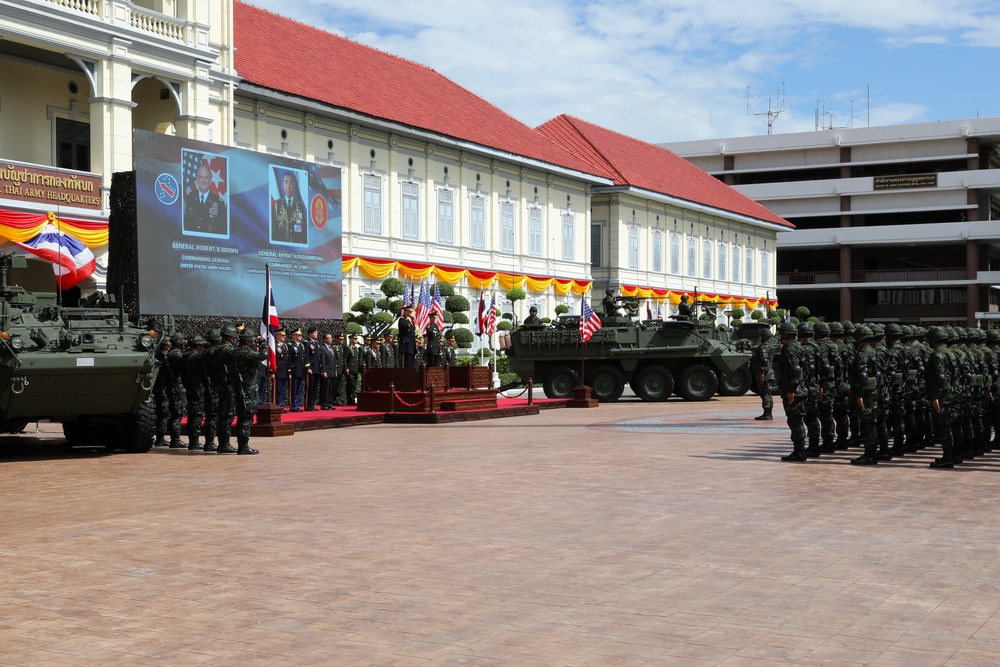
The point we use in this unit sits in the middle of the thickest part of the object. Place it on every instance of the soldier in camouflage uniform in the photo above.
(864, 385)
(915, 426)
(842, 400)
(993, 406)
(814, 373)
(961, 380)
(883, 374)
(855, 414)
(246, 368)
(830, 381)
(178, 398)
(762, 363)
(208, 362)
(194, 389)
(940, 394)
(898, 380)
(161, 394)
(790, 379)
(222, 372)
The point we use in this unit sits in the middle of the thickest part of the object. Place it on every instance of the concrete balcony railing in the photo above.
(143, 20)
(880, 276)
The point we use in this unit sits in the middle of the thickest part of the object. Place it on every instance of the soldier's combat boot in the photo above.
(765, 417)
(244, 447)
(194, 445)
(161, 441)
(947, 459)
(812, 451)
(828, 447)
(798, 453)
(225, 448)
(210, 446)
(178, 444)
(869, 458)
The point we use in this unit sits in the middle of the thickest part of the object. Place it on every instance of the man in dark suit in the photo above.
(204, 210)
(313, 379)
(407, 339)
(327, 372)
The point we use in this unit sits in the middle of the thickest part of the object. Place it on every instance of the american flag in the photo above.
(438, 305)
(659, 311)
(590, 322)
(422, 313)
(491, 316)
(190, 162)
(269, 322)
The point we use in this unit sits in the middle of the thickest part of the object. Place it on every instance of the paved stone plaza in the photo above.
(631, 534)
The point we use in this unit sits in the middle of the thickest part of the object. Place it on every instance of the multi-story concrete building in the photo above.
(894, 223)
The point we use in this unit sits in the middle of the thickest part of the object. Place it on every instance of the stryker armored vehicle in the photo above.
(83, 366)
(654, 357)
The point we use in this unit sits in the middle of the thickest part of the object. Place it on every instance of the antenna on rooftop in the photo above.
(825, 117)
(774, 108)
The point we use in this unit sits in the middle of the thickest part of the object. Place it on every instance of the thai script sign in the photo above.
(905, 181)
(52, 187)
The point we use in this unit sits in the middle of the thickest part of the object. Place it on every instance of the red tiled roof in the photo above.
(642, 165)
(291, 57)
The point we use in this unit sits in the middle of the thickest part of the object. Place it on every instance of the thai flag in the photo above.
(590, 322)
(481, 322)
(649, 310)
(438, 305)
(269, 323)
(71, 261)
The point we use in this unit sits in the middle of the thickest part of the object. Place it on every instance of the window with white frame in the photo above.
(373, 204)
(723, 259)
(735, 277)
(657, 251)
(706, 260)
(748, 255)
(692, 261)
(567, 236)
(765, 264)
(507, 226)
(633, 246)
(675, 252)
(410, 210)
(446, 216)
(477, 222)
(535, 231)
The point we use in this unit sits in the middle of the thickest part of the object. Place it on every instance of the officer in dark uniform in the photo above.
(288, 215)
(281, 370)
(449, 356)
(407, 339)
(297, 369)
(432, 342)
(390, 351)
(352, 369)
(372, 356)
(762, 363)
(313, 379)
(204, 210)
(246, 363)
(343, 355)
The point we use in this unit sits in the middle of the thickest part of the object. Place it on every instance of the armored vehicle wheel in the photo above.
(607, 383)
(653, 383)
(697, 382)
(136, 436)
(736, 383)
(560, 382)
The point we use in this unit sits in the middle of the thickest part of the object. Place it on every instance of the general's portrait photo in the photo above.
(289, 213)
(206, 194)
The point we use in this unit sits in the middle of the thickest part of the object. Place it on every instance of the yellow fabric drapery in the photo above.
(380, 269)
(19, 226)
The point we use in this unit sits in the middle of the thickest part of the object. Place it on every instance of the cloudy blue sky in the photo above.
(673, 70)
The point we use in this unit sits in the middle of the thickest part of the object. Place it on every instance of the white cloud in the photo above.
(660, 69)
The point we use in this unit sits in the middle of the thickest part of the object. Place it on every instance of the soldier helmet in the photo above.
(247, 334)
(609, 291)
(822, 329)
(229, 331)
(178, 339)
(936, 334)
(893, 330)
(786, 328)
(993, 335)
(533, 309)
(684, 298)
(863, 333)
(197, 340)
(848, 326)
(836, 329)
(214, 335)
(765, 332)
(805, 329)
(878, 331)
